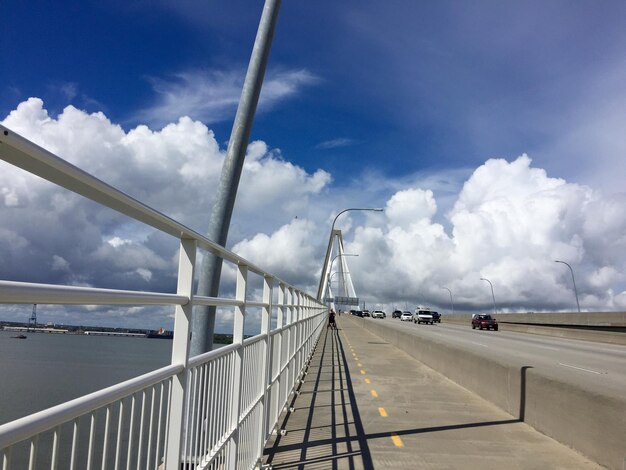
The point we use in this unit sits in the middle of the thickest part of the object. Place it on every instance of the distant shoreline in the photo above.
(17, 327)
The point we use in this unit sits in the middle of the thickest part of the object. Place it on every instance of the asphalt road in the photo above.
(597, 367)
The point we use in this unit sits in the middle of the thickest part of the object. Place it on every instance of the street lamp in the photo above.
(492, 294)
(331, 266)
(330, 280)
(451, 303)
(352, 209)
(573, 281)
(337, 256)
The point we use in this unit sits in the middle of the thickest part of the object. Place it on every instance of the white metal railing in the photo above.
(215, 410)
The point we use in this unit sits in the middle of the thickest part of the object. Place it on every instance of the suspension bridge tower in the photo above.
(336, 288)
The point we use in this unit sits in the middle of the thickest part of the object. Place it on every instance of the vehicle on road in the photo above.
(406, 316)
(422, 316)
(378, 314)
(366, 313)
(396, 314)
(436, 317)
(484, 322)
(356, 313)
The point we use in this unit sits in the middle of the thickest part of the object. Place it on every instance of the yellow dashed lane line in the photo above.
(397, 441)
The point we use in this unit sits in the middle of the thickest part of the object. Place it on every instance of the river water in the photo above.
(47, 369)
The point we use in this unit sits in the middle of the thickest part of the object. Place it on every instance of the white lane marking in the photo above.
(618, 351)
(580, 368)
(479, 344)
(546, 347)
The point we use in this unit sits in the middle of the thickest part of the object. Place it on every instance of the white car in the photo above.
(423, 316)
(378, 314)
(406, 316)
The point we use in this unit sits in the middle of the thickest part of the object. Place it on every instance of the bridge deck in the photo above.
(367, 405)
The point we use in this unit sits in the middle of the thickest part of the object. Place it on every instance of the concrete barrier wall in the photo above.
(592, 424)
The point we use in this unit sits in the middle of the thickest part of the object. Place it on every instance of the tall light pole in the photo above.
(330, 279)
(573, 280)
(325, 270)
(209, 275)
(492, 294)
(337, 256)
(451, 303)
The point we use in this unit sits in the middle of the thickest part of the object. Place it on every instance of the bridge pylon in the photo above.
(336, 274)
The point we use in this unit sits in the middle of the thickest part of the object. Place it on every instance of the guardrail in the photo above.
(215, 410)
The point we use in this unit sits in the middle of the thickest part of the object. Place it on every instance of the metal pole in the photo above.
(203, 322)
(451, 303)
(573, 281)
(492, 294)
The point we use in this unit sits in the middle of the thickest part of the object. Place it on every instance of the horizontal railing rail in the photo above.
(23, 428)
(215, 410)
(12, 292)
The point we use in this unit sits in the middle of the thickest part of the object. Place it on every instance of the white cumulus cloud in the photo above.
(507, 222)
(174, 170)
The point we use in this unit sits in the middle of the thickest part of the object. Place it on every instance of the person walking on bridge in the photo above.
(331, 319)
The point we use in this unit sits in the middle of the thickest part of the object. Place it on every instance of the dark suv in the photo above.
(396, 314)
(436, 317)
(484, 322)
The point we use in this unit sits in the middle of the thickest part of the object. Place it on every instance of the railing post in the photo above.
(280, 321)
(290, 337)
(279, 355)
(266, 371)
(307, 323)
(240, 315)
(180, 353)
(298, 351)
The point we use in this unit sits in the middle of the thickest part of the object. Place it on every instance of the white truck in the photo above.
(423, 315)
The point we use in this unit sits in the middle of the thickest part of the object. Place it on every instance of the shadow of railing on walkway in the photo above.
(332, 398)
(333, 431)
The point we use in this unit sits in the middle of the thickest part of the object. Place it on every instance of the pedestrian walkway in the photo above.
(365, 404)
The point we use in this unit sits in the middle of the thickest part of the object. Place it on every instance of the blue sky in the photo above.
(426, 84)
(363, 100)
